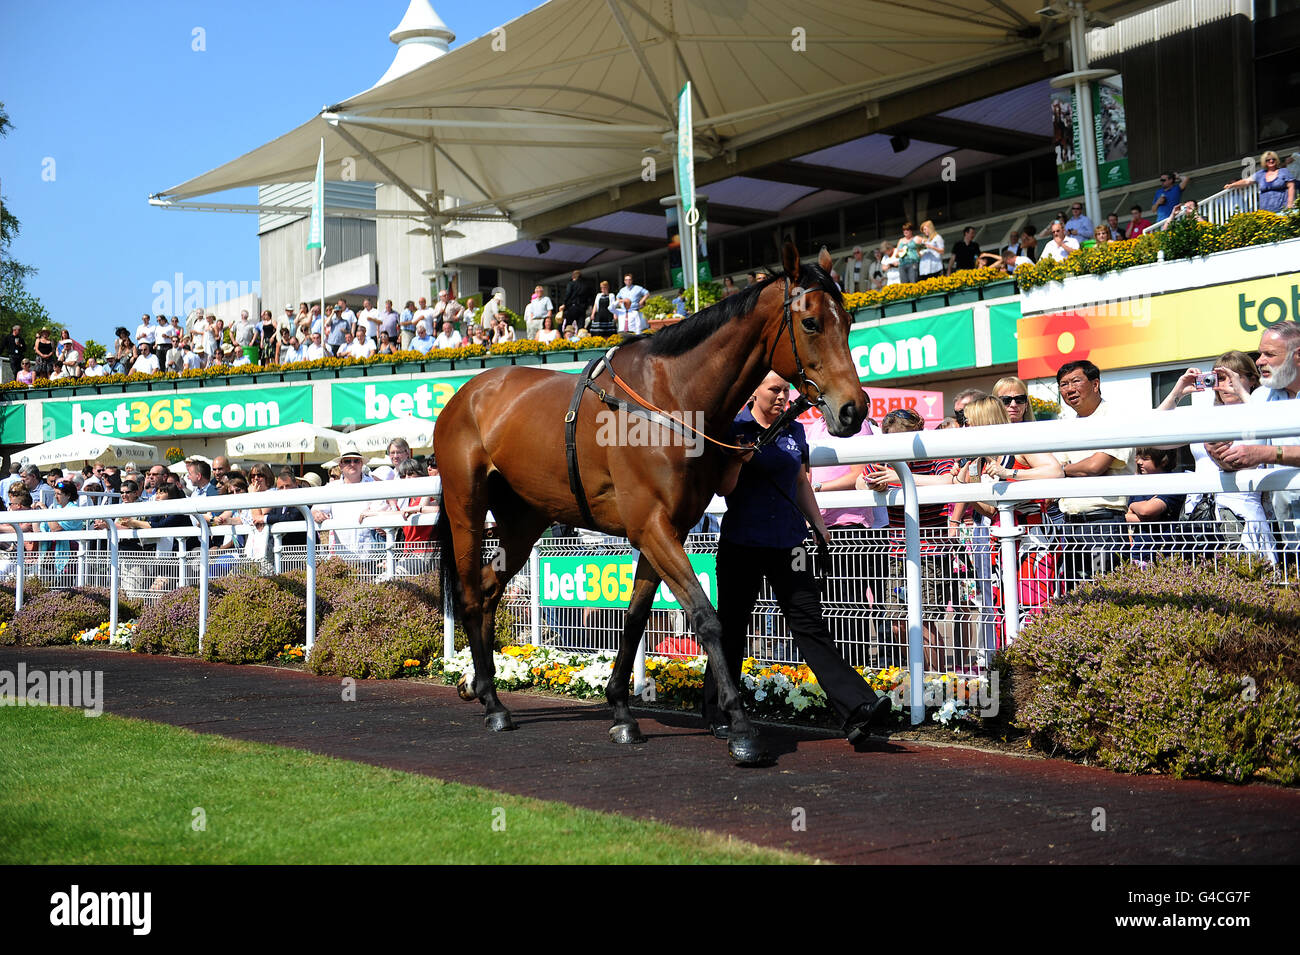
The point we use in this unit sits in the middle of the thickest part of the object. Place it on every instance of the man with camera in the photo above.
(1080, 385)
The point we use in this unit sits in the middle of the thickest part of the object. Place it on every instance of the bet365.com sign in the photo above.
(606, 581)
(155, 415)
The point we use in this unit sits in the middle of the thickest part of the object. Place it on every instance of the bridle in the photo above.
(803, 402)
(645, 408)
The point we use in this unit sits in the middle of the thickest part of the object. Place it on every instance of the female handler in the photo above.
(763, 536)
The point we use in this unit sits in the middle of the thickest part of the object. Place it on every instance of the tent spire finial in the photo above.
(421, 37)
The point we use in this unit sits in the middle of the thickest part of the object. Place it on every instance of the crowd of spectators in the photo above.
(28, 488)
(1072, 539)
(202, 340)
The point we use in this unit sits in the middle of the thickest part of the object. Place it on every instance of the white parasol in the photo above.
(418, 433)
(308, 443)
(91, 448)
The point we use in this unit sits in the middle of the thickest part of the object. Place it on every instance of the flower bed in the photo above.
(939, 285)
(99, 636)
(1185, 239)
(784, 692)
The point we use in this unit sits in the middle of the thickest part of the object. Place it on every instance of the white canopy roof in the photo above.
(566, 101)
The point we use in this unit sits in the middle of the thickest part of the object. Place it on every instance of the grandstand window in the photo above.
(1277, 77)
(824, 229)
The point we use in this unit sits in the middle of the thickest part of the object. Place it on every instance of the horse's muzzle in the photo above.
(849, 419)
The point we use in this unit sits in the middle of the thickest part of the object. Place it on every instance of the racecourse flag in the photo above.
(685, 152)
(316, 233)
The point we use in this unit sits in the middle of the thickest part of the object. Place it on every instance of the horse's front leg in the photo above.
(625, 729)
(659, 543)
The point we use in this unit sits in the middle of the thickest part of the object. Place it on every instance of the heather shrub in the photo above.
(32, 587)
(371, 634)
(1172, 668)
(56, 616)
(170, 624)
(335, 580)
(251, 618)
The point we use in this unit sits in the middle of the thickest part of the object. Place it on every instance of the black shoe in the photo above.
(860, 721)
(720, 730)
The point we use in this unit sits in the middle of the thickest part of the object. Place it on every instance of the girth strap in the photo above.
(571, 444)
(594, 369)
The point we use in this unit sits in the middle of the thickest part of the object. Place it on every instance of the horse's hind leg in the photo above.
(464, 482)
(518, 529)
(625, 729)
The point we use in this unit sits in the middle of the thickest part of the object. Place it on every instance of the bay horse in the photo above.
(500, 446)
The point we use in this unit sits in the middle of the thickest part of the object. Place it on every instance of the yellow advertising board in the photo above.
(1149, 330)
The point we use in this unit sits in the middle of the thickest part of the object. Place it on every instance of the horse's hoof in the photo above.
(465, 690)
(626, 733)
(748, 751)
(499, 722)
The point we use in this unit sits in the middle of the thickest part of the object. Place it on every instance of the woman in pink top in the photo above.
(858, 575)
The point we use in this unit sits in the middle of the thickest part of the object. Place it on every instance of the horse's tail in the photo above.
(448, 575)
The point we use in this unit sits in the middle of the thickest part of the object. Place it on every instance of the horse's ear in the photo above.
(790, 259)
(824, 260)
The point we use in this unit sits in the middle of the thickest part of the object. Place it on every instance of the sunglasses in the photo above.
(1010, 400)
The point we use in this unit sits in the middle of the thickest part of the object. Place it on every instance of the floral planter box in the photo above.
(528, 359)
(900, 308)
(998, 290)
(869, 314)
(463, 364)
(162, 386)
(492, 361)
(352, 371)
(927, 302)
(964, 296)
(295, 375)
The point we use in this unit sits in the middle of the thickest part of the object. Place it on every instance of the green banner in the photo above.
(605, 580)
(1110, 135)
(157, 415)
(13, 424)
(372, 400)
(1111, 127)
(903, 349)
(1002, 332)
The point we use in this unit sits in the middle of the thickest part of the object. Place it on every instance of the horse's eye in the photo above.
(810, 324)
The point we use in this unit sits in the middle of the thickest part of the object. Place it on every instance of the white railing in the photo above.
(1226, 203)
(1218, 208)
(1249, 423)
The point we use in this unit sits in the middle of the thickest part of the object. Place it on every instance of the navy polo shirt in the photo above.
(757, 514)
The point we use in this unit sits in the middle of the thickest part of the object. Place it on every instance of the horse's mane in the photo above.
(686, 334)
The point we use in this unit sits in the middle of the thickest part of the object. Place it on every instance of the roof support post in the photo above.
(1083, 96)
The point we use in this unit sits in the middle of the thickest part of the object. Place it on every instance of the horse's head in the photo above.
(811, 349)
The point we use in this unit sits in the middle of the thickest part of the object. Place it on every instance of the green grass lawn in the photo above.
(110, 790)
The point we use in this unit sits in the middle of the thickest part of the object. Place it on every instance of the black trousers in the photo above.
(740, 575)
